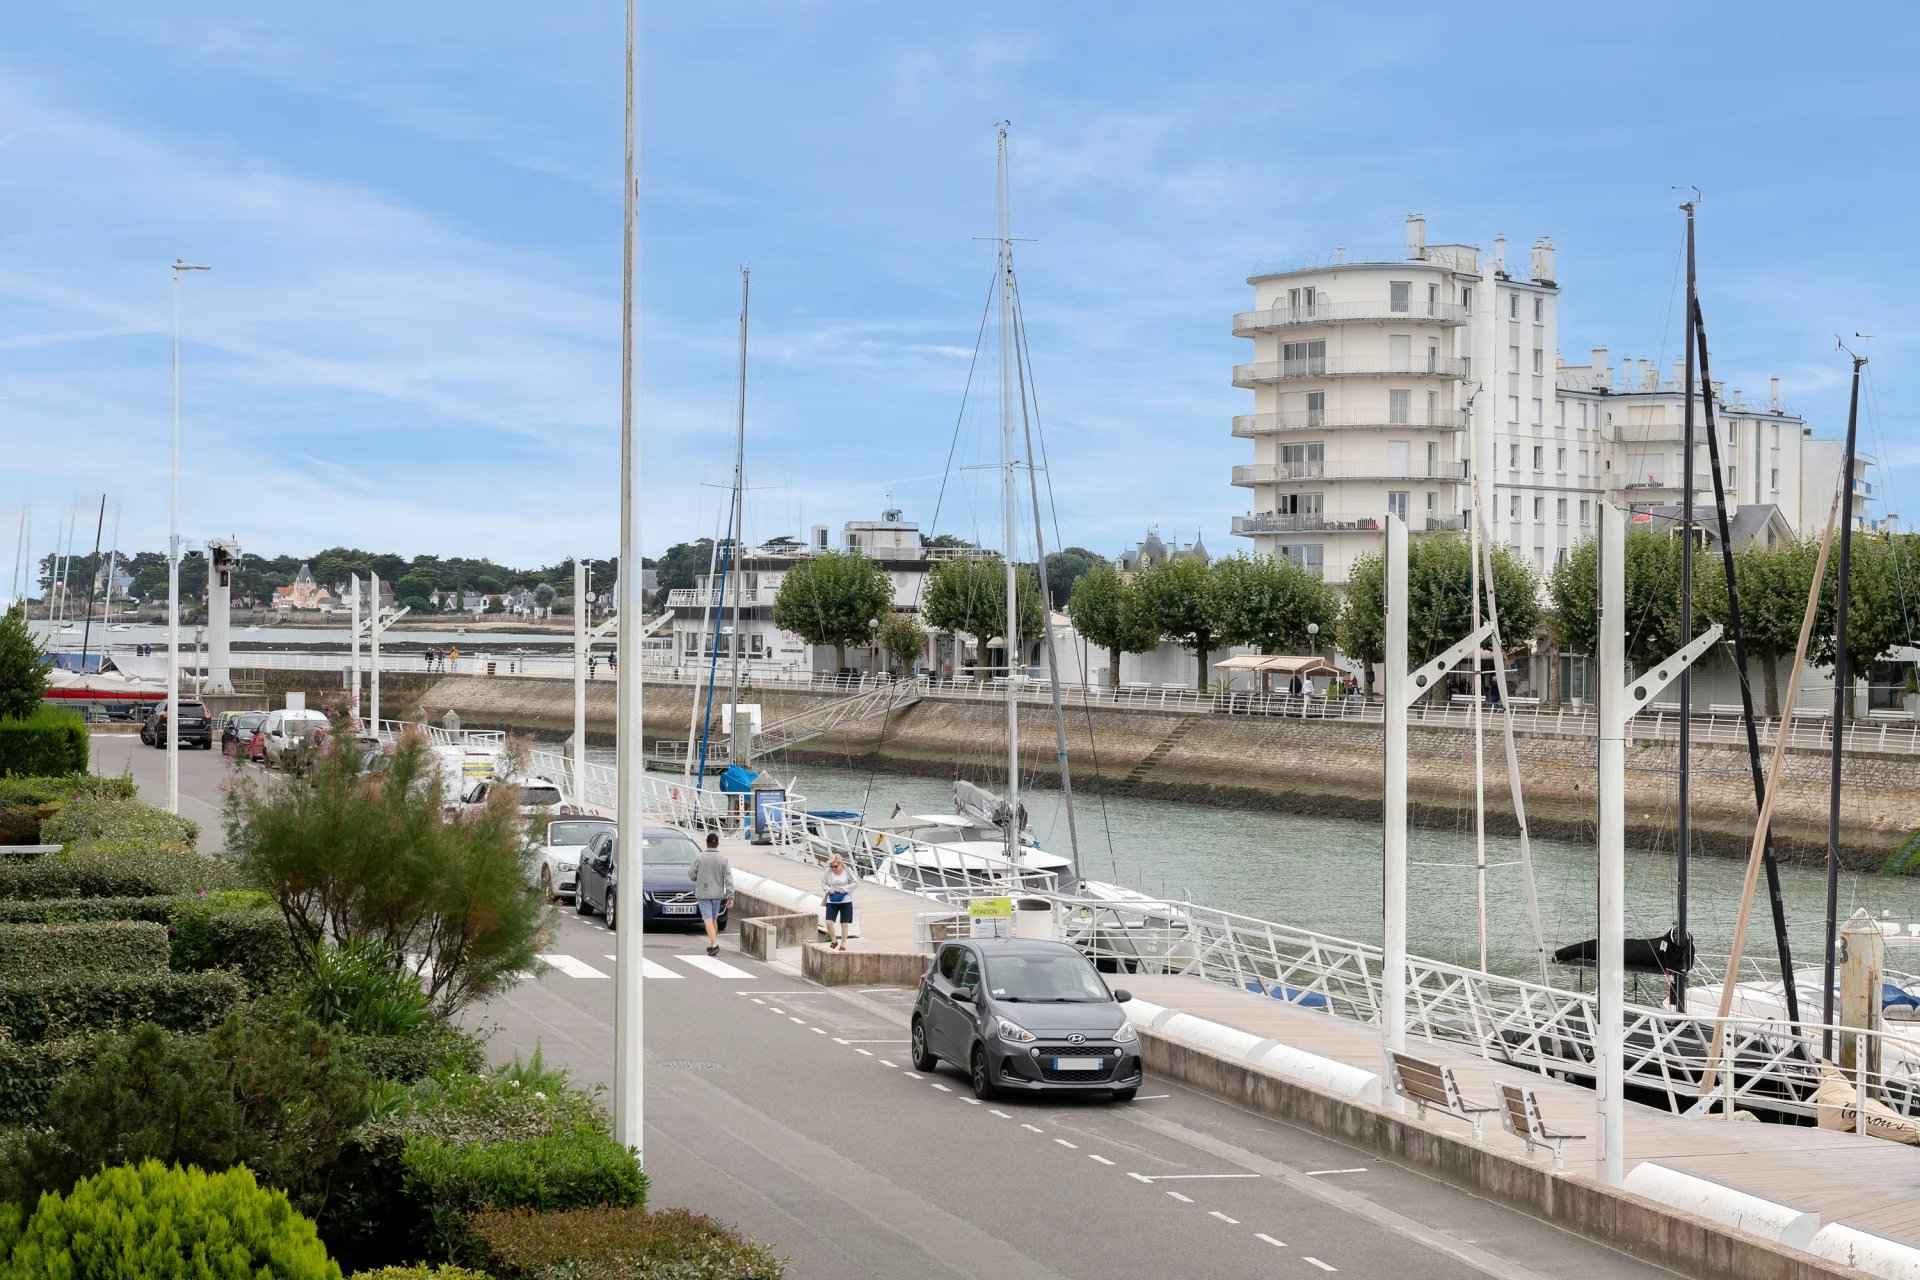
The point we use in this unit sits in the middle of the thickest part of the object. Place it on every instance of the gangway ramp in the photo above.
(815, 721)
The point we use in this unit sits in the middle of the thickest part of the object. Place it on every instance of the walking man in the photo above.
(712, 877)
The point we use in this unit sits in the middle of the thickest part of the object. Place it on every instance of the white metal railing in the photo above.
(1263, 371)
(1283, 316)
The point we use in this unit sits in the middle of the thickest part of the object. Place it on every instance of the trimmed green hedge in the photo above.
(31, 1073)
(616, 1244)
(437, 1050)
(234, 929)
(97, 816)
(421, 1271)
(26, 803)
(453, 1181)
(35, 951)
(154, 1223)
(115, 869)
(49, 743)
(75, 1004)
(158, 909)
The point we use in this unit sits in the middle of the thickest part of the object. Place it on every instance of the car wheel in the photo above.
(1125, 1095)
(982, 1084)
(580, 904)
(610, 907)
(546, 882)
(923, 1058)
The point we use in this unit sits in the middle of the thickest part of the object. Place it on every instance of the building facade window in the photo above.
(1513, 306)
(1539, 310)
(1466, 298)
(1399, 407)
(1539, 458)
(1513, 506)
(1585, 509)
(1303, 359)
(1301, 300)
(1316, 408)
(1303, 459)
(1300, 504)
(1559, 510)
(1539, 361)
(1397, 292)
(1513, 408)
(1433, 408)
(1400, 352)
(1397, 503)
(1513, 456)
(1310, 556)
(1773, 479)
(1560, 459)
(1536, 411)
(1433, 299)
(1539, 508)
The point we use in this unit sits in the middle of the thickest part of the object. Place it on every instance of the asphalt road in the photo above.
(792, 1111)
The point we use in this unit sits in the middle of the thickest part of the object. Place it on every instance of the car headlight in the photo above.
(1126, 1034)
(1013, 1031)
(565, 868)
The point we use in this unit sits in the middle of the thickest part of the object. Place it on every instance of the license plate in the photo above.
(679, 908)
(1078, 1064)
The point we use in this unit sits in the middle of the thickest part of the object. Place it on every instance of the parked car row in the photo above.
(196, 727)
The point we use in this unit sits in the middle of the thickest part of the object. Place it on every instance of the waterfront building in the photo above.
(302, 593)
(1374, 383)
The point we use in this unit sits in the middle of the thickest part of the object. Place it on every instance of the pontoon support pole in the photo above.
(1609, 1104)
(1393, 877)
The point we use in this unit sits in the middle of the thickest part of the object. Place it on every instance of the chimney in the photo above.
(1719, 391)
(1602, 376)
(1739, 398)
(1649, 376)
(1500, 255)
(1416, 237)
(1543, 261)
(1773, 395)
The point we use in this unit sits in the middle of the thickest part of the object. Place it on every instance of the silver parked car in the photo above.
(1023, 1015)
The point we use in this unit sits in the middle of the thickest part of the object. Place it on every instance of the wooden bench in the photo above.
(1520, 1113)
(1726, 709)
(1430, 1084)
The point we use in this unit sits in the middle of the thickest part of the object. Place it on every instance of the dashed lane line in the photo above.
(1261, 1235)
(996, 1111)
(1175, 1195)
(801, 1021)
(1100, 1159)
(883, 1062)
(1321, 1173)
(1032, 1128)
(865, 1053)
(942, 1088)
(1215, 1213)
(1068, 1145)
(911, 1075)
(819, 1031)
(1140, 1177)
(1324, 1266)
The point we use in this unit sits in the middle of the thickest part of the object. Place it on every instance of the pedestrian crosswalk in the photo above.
(567, 966)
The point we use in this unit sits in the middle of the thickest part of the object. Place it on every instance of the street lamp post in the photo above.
(173, 561)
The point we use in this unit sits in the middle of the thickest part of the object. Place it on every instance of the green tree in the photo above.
(417, 582)
(945, 540)
(833, 599)
(1106, 612)
(1065, 568)
(349, 857)
(1652, 598)
(1439, 600)
(543, 595)
(23, 678)
(1883, 602)
(903, 640)
(1773, 584)
(682, 565)
(970, 596)
(1178, 599)
(1269, 603)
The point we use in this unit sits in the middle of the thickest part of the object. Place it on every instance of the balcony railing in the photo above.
(1248, 323)
(1274, 522)
(1248, 425)
(1445, 470)
(1266, 371)
(701, 598)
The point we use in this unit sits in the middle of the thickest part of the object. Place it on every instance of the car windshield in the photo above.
(192, 709)
(540, 795)
(564, 833)
(668, 851)
(1055, 978)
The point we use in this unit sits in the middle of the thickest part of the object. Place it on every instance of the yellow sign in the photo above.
(990, 908)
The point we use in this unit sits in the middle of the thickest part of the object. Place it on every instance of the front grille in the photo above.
(1048, 1052)
(664, 898)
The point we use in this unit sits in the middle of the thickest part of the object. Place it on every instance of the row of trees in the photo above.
(1883, 609)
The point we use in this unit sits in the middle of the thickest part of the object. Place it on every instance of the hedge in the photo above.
(421, 1271)
(49, 743)
(616, 1244)
(154, 1223)
(157, 908)
(452, 1181)
(30, 1073)
(95, 816)
(115, 869)
(439, 1050)
(233, 930)
(36, 951)
(26, 803)
(75, 1004)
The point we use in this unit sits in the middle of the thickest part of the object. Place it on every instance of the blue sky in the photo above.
(409, 340)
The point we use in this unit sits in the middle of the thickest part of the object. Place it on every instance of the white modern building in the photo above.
(1376, 383)
(1820, 480)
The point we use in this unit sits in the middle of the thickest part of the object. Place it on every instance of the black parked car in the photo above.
(667, 891)
(196, 727)
(1024, 1015)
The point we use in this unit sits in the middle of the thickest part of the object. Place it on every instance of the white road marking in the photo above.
(717, 967)
(1190, 1177)
(1003, 1115)
(972, 1102)
(1321, 1173)
(1140, 1177)
(865, 1053)
(838, 1040)
(1153, 1097)
(901, 1041)
(1215, 1213)
(758, 1000)
(1261, 1235)
(801, 1021)
(911, 1076)
(1322, 1265)
(883, 1062)
(1102, 1159)
(819, 1031)
(573, 967)
(774, 1008)
(1068, 1145)
(1175, 1195)
(942, 1088)
(1032, 1128)
(654, 969)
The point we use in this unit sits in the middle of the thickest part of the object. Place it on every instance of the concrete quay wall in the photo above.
(1317, 767)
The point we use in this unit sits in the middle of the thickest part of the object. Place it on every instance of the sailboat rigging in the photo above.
(1841, 591)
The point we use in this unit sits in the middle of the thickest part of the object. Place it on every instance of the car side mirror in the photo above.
(965, 995)
(1121, 995)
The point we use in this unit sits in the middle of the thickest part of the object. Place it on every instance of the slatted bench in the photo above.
(1431, 1084)
(1520, 1113)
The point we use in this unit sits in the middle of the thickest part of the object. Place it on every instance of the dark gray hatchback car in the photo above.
(1022, 1015)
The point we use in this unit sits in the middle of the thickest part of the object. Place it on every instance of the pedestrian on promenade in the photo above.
(712, 877)
(836, 886)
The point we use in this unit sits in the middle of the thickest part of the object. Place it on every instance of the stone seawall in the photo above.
(1293, 766)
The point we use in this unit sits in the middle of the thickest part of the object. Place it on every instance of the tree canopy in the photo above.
(23, 679)
(970, 596)
(1178, 600)
(1439, 600)
(1065, 568)
(902, 640)
(1106, 611)
(1269, 603)
(833, 599)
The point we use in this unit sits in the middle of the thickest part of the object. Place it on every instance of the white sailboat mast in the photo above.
(1011, 633)
(734, 736)
(1479, 698)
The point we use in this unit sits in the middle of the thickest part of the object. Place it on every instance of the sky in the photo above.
(409, 336)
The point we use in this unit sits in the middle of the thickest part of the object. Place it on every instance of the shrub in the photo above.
(73, 1004)
(275, 1093)
(30, 1074)
(157, 908)
(451, 1181)
(50, 742)
(115, 869)
(358, 987)
(100, 816)
(23, 672)
(421, 1271)
(233, 929)
(28, 802)
(616, 1244)
(108, 946)
(154, 1223)
(434, 1050)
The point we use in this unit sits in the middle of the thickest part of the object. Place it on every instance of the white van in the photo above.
(285, 731)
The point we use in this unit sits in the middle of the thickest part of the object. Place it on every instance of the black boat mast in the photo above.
(1842, 589)
(1684, 835)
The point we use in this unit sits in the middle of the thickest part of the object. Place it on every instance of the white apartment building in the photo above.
(1374, 383)
(1820, 480)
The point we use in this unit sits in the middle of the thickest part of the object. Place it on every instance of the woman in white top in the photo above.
(836, 887)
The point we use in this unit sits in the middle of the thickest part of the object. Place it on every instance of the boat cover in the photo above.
(738, 779)
(1664, 954)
